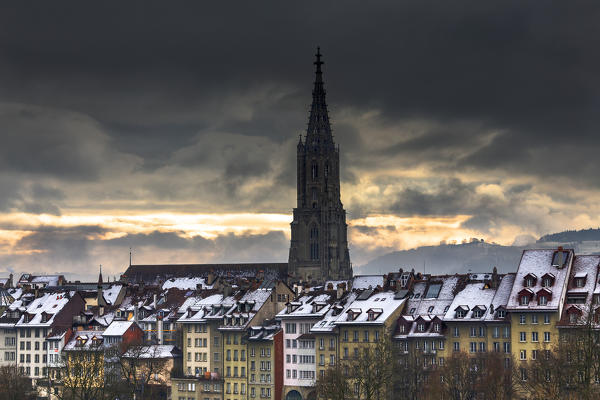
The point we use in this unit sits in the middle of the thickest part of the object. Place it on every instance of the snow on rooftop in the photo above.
(502, 294)
(49, 303)
(539, 262)
(472, 295)
(364, 281)
(186, 283)
(111, 294)
(585, 267)
(118, 328)
(152, 351)
(305, 307)
(327, 322)
(383, 300)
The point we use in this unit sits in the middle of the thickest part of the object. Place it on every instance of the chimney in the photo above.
(135, 314)
(340, 290)
(211, 277)
(159, 329)
(155, 305)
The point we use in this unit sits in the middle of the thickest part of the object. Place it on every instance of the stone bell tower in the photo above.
(319, 245)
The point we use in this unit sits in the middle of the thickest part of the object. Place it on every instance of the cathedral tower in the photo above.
(319, 245)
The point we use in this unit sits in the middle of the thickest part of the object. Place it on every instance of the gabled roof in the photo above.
(118, 328)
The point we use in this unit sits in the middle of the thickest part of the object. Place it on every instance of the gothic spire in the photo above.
(100, 277)
(319, 129)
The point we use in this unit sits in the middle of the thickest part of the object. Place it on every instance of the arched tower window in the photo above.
(314, 242)
(315, 197)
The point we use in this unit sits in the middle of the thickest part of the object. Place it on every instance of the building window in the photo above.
(314, 243)
(522, 337)
(546, 318)
(315, 171)
(534, 336)
(456, 331)
(522, 319)
(546, 336)
(523, 355)
(456, 346)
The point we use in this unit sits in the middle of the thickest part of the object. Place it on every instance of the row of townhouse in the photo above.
(428, 317)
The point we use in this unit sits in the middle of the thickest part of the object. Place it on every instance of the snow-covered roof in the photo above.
(185, 283)
(366, 281)
(85, 340)
(585, 267)
(384, 300)
(200, 308)
(45, 306)
(502, 294)
(474, 294)
(307, 307)
(118, 328)
(153, 352)
(539, 262)
(111, 294)
(327, 322)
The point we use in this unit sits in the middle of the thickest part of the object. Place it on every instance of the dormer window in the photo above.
(579, 280)
(524, 300)
(525, 296)
(461, 311)
(573, 318)
(501, 313)
(530, 280)
(543, 300)
(477, 313)
(373, 313)
(437, 327)
(421, 327)
(402, 328)
(547, 280)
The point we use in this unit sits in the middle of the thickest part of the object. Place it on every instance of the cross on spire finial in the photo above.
(318, 63)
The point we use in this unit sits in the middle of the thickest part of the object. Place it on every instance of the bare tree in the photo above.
(372, 370)
(83, 374)
(334, 385)
(14, 385)
(145, 370)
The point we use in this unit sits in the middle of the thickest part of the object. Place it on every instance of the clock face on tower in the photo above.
(319, 244)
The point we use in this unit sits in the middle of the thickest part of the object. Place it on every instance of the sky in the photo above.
(170, 128)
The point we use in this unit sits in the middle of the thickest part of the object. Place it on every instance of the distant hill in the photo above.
(447, 259)
(477, 256)
(572, 236)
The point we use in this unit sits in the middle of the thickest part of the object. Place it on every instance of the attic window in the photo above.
(460, 313)
(524, 300)
(437, 327)
(412, 311)
(430, 309)
(417, 295)
(501, 313)
(477, 313)
(446, 308)
(542, 300)
(421, 327)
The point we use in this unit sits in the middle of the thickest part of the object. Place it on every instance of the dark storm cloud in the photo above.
(156, 75)
(197, 107)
